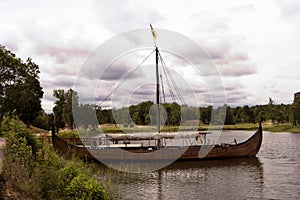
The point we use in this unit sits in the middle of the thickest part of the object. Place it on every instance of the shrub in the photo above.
(39, 173)
(84, 187)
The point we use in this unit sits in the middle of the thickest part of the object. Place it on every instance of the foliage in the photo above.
(83, 187)
(20, 90)
(37, 172)
(64, 106)
(85, 116)
(58, 108)
(176, 114)
(144, 113)
(41, 121)
(295, 113)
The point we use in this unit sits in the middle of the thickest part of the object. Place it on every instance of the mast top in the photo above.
(154, 34)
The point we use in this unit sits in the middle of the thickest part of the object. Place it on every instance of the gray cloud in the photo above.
(62, 55)
(236, 70)
(237, 98)
(243, 8)
(290, 8)
(119, 17)
(59, 38)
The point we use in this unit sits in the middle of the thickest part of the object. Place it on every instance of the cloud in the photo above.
(122, 17)
(60, 37)
(236, 70)
(10, 45)
(224, 52)
(61, 55)
(242, 8)
(236, 98)
(290, 8)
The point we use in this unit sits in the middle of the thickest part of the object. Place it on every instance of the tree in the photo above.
(71, 103)
(173, 113)
(85, 117)
(63, 109)
(205, 114)
(272, 111)
(20, 90)
(140, 113)
(295, 112)
(228, 116)
(58, 108)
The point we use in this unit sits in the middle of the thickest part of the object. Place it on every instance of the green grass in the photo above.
(283, 128)
(287, 127)
(110, 128)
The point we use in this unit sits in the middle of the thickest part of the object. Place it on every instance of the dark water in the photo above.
(274, 174)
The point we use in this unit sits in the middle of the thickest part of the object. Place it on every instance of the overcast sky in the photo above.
(254, 45)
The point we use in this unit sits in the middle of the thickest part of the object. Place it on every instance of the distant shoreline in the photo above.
(112, 128)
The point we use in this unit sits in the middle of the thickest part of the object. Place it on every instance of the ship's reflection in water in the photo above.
(228, 178)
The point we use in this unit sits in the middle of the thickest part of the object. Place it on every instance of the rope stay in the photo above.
(171, 83)
(177, 96)
(126, 77)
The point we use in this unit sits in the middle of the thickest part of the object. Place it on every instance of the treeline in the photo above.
(171, 113)
(176, 114)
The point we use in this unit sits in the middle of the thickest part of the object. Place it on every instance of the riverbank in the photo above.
(111, 128)
(33, 170)
(287, 127)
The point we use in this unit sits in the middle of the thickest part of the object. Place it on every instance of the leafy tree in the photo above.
(228, 116)
(205, 114)
(218, 115)
(105, 116)
(246, 115)
(140, 113)
(63, 109)
(295, 112)
(58, 108)
(272, 112)
(41, 121)
(85, 116)
(70, 104)
(20, 90)
(173, 113)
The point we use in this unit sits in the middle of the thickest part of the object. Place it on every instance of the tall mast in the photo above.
(157, 92)
(154, 34)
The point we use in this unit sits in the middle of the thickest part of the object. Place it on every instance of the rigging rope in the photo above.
(168, 74)
(171, 84)
(127, 76)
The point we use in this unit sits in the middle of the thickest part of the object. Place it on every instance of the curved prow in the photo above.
(256, 141)
(260, 127)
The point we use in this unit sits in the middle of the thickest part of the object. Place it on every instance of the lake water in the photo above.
(274, 174)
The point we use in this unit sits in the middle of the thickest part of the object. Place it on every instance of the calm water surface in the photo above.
(274, 174)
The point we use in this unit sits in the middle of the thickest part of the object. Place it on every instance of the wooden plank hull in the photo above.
(249, 148)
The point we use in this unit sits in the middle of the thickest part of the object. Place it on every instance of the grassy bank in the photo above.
(266, 127)
(31, 170)
(110, 128)
(283, 128)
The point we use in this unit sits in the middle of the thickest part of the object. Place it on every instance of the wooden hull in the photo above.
(249, 148)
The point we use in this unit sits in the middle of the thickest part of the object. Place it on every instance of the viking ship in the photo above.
(150, 147)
